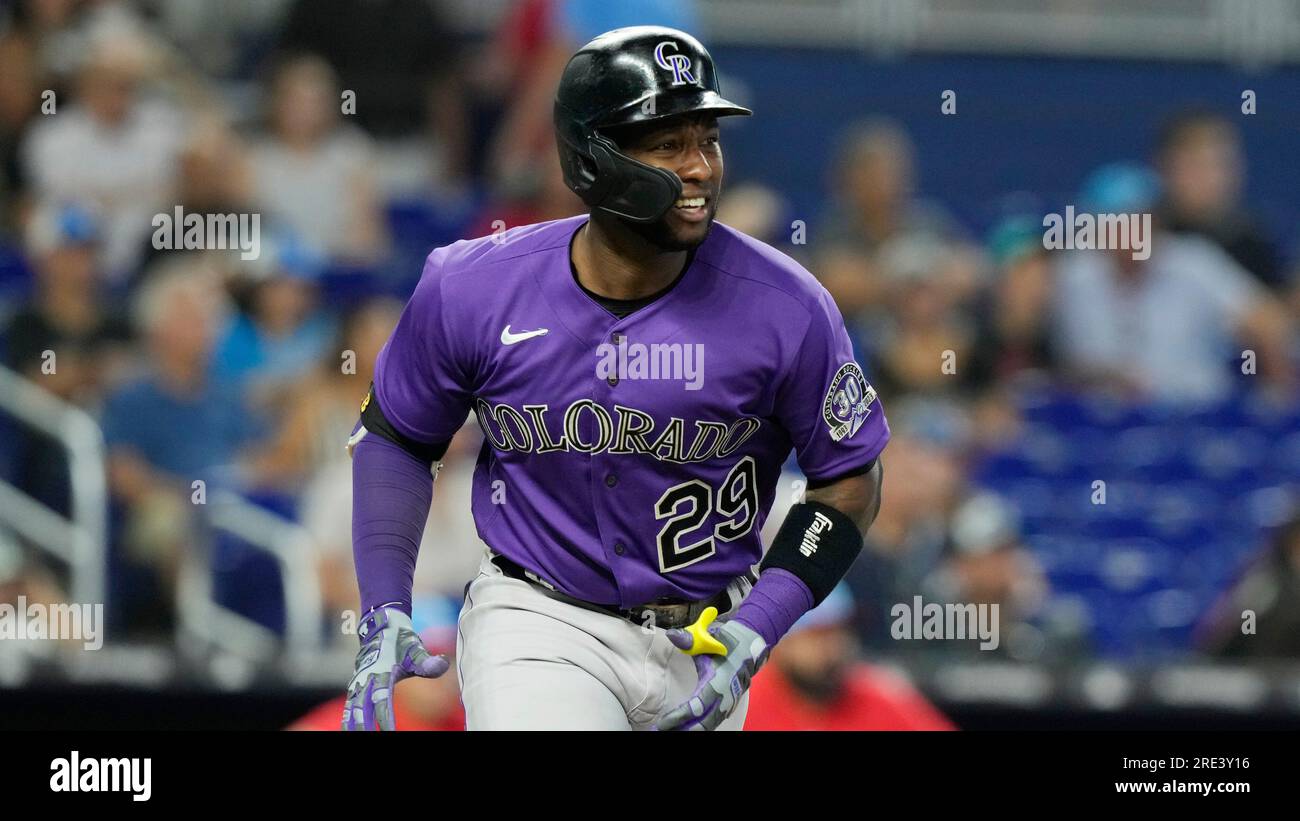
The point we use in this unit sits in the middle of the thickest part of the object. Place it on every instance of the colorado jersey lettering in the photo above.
(624, 490)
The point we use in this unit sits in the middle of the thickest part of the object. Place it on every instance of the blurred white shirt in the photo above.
(124, 174)
(1171, 328)
(314, 193)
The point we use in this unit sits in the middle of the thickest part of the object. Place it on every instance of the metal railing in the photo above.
(292, 548)
(79, 538)
(1251, 33)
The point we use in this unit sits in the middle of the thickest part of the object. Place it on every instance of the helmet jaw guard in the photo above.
(608, 179)
(634, 75)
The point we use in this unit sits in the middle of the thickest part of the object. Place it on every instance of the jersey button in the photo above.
(611, 480)
(612, 380)
(620, 548)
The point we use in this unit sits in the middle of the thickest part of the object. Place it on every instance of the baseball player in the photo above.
(640, 375)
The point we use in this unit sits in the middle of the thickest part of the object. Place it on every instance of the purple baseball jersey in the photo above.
(637, 458)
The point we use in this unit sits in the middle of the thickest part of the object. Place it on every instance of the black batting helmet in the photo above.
(630, 75)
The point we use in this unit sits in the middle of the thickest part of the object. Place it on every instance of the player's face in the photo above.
(691, 149)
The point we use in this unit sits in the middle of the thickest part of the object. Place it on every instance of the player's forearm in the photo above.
(777, 601)
(781, 596)
(391, 494)
(857, 497)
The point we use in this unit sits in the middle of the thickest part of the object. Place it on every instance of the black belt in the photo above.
(668, 613)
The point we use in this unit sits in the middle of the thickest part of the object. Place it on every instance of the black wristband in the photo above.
(372, 416)
(818, 544)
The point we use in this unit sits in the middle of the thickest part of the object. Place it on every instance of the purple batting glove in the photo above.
(391, 650)
(727, 655)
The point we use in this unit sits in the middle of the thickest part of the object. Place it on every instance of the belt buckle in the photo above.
(668, 616)
(536, 579)
(675, 615)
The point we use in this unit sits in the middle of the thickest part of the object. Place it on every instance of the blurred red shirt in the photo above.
(329, 716)
(871, 700)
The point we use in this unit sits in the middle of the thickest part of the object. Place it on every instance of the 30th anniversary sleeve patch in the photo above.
(848, 401)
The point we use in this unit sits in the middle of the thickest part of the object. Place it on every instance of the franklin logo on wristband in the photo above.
(812, 536)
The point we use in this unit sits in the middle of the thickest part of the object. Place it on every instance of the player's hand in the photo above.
(391, 650)
(727, 655)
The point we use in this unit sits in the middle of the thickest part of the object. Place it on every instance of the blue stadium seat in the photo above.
(1284, 457)
(1189, 496)
(16, 277)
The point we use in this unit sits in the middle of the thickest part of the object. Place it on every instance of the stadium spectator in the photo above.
(1268, 590)
(921, 345)
(55, 31)
(759, 211)
(20, 101)
(398, 56)
(212, 179)
(321, 407)
(68, 316)
(527, 50)
(986, 564)
(538, 199)
(65, 339)
(307, 455)
(1012, 318)
(1012, 330)
(403, 63)
(282, 331)
(1169, 327)
(875, 202)
(907, 539)
(1202, 170)
(532, 44)
(313, 173)
(815, 682)
(113, 150)
(169, 428)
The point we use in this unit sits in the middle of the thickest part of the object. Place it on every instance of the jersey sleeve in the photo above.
(421, 379)
(825, 403)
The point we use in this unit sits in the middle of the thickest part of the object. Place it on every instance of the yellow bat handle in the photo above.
(703, 642)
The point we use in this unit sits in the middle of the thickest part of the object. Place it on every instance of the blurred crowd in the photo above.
(956, 330)
(364, 132)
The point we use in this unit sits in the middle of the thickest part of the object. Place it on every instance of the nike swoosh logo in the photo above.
(508, 338)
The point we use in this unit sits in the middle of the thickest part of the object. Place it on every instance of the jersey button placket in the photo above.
(616, 338)
(611, 478)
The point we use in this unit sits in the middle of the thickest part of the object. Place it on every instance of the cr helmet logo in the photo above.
(678, 64)
(848, 401)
